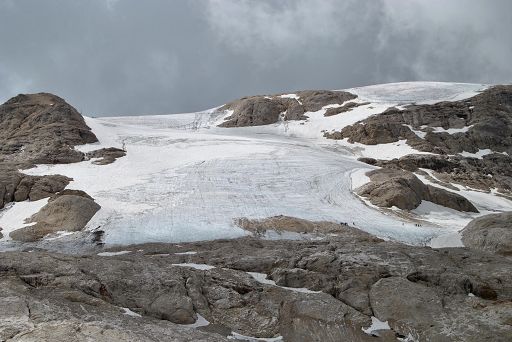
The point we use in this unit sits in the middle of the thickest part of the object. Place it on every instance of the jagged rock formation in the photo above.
(264, 110)
(402, 189)
(481, 122)
(37, 128)
(15, 186)
(424, 293)
(491, 233)
(41, 128)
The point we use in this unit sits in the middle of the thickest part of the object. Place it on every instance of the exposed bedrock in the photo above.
(68, 211)
(264, 110)
(41, 128)
(15, 186)
(105, 155)
(428, 294)
(491, 233)
(481, 122)
(402, 189)
(493, 171)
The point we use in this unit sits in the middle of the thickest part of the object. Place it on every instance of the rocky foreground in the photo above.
(325, 290)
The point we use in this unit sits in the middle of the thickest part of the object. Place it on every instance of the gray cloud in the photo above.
(113, 57)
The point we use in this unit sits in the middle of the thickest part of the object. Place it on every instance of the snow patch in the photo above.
(359, 178)
(200, 322)
(107, 254)
(262, 278)
(129, 312)
(14, 215)
(236, 336)
(376, 326)
(202, 267)
(186, 253)
(452, 130)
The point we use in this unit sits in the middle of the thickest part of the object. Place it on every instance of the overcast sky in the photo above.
(125, 57)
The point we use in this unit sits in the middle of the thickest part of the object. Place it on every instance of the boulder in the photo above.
(491, 233)
(63, 213)
(402, 189)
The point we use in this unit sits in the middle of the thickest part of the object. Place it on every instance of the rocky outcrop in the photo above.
(38, 129)
(481, 122)
(69, 211)
(105, 155)
(343, 109)
(283, 223)
(491, 172)
(15, 186)
(264, 110)
(491, 233)
(402, 189)
(41, 128)
(425, 293)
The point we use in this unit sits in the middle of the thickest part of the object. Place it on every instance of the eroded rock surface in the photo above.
(448, 294)
(106, 155)
(41, 129)
(264, 110)
(491, 233)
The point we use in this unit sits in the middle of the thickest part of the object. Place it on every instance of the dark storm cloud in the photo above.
(156, 56)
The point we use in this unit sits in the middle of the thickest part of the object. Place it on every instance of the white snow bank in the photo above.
(13, 216)
(418, 92)
(186, 253)
(359, 177)
(478, 155)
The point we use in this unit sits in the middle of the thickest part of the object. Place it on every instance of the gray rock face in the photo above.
(15, 186)
(107, 155)
(254, 111)
(41, 128)
(66, 212)
(487, 116)
(402, 189)
(264, 110)
(491, 233)
(37, 128)
(358, 276)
